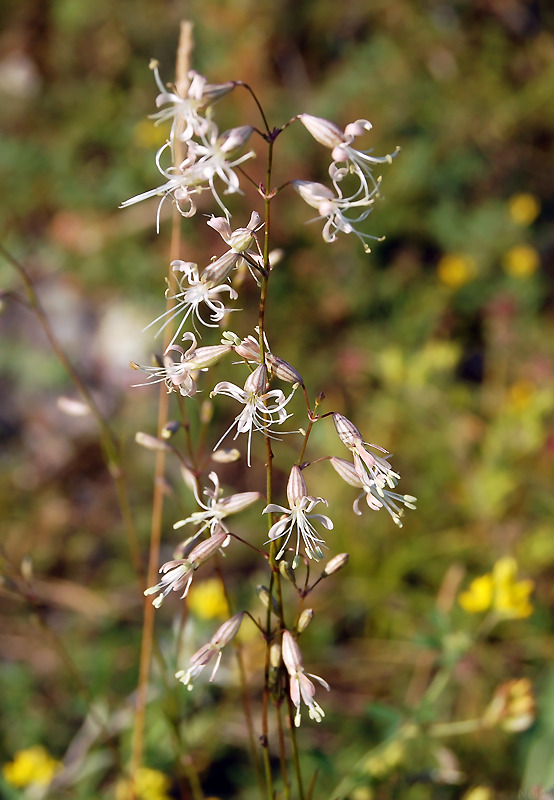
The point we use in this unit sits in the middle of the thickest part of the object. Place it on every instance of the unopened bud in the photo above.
(226, 455)
(347, 431)
(275, 655)
(206, 412)
(71, 407)
(263, 594)
(336, 563)
(256, 381)
(305, 618)
(320, 398)
(205, 357)
(283, 370)
(152, 442)
(296, 487)
(228, 630)
(286, 571)
(27, 568)
(170, 428)
(235, 138)
(323, 131)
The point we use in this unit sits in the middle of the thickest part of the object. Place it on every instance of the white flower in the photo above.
(189, 298)
(217, 508)
(258, 414)
(184, 110)
(225, 634)
(301, 504)
(375, 497)
(198, 170)
(178, 374)
(301, 687)
(333, 207)
(330, 135)
(178, 574)
(249, 349)
(369, 468)
(240, 241)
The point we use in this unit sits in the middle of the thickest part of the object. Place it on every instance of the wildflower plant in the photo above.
(262, 382)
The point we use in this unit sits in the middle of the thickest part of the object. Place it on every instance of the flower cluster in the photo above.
(333, 205)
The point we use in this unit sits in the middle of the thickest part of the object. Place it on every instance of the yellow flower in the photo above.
(520, 395)
(524, 208)
(150, 784)
(521, 261)
(479, 793)
(479, 595)
(455, 270)
(207, 600)
(34, 765)
(499, 590)
(512, 706)
(511, 598)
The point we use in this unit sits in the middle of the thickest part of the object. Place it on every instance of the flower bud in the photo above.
(152, 442)
(227, 631)
(296, 487)
(336, 563)
(275, 655)
(305, 618)
(291, 654)
(347, 431)
(256, 381)
(170, 428)
(313, 193)
(226, 455)
(206, 549)
(347, 471)
(220, 270)
(235, 138)
(206, 412)
(263, 594)
(283, 370)
(205, 357)
(286, 571)
(323, 131)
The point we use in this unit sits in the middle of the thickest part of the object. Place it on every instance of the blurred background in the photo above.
(438, 345)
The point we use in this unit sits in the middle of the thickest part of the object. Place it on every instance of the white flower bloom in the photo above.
(258, 414)
(225, 634)
(301, 504)
(198, 170)
(249, 349)
(178, 574)
(217, 508)
(189, 298)
(375, 497)
(340, 142)
(178, 374)
(184, 110)
(240, 241)
(333, 207)
(369, 468)
(301, 687)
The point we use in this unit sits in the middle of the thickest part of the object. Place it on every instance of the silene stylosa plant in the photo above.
(199, 158)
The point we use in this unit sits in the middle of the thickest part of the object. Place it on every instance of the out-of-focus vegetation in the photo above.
(439, 345)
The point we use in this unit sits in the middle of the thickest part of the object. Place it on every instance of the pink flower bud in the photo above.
(336, 563)
(256, 381)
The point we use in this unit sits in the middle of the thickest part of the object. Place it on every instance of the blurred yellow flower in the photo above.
(524, 208)
(511, 597)
(479, 793)
(34, 765)
(520, 394)
(150, 784)
(207, 600)
(455, 270)
(479, 595)
(521, 261)
(387, 759)
(499, 590)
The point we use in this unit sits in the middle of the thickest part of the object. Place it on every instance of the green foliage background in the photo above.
(458, 381)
